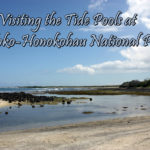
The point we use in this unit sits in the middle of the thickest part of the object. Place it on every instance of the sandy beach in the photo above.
(5, 103)
(117, 134)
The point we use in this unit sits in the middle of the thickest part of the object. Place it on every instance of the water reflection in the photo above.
(100, 108)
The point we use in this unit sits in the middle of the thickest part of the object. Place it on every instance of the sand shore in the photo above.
(5, 103)
(118, 134)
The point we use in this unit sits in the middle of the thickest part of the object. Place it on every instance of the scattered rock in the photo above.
(63, 102)
(113, 112)
(125, 107)
(10, 101)
(69, 102)
(33, 106)
(19, 104)
(87, 112)
(6, 113)
(90, 99)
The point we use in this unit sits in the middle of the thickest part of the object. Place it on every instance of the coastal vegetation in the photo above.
(136, 84)
(104, 92)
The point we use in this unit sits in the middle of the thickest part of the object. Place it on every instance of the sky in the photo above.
(20, 66)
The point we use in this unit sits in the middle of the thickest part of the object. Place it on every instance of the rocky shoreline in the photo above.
(22, 97)
(8, 99)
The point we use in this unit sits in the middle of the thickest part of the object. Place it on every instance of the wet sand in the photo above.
(5, 103)
(117, 134)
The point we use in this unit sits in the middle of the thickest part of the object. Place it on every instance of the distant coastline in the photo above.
(133, 87)
(105, 91)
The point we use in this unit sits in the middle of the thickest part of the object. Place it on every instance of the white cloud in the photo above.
(96, 4)
(141, 7)
(136, 59)
(78, 69)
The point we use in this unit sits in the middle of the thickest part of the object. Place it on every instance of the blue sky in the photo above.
(74, 66)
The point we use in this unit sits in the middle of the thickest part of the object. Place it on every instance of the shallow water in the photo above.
(102, 107)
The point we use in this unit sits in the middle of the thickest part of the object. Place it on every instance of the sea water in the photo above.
(101, 108)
